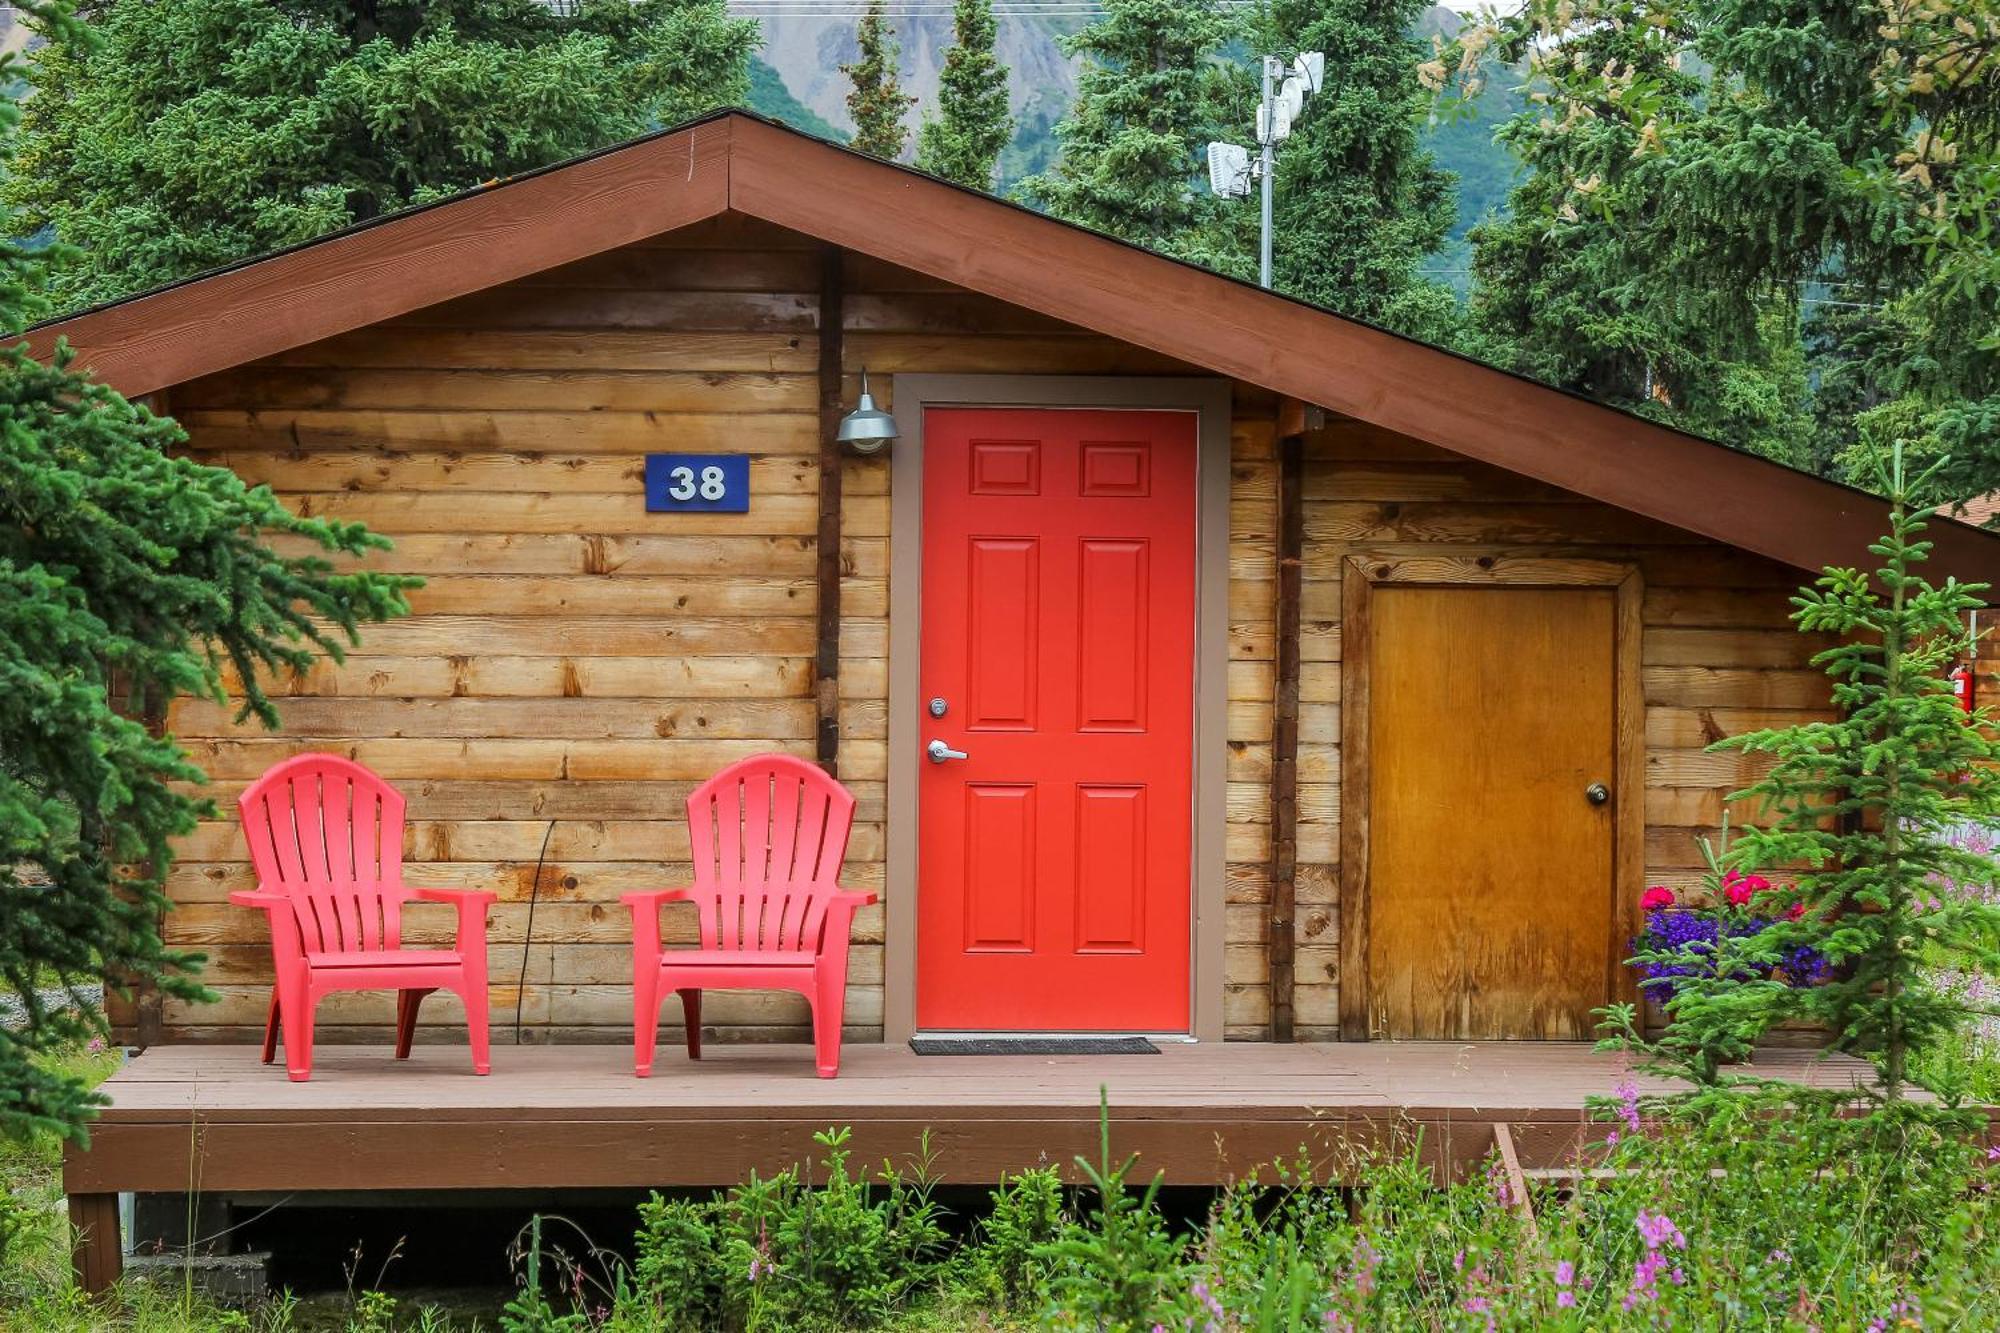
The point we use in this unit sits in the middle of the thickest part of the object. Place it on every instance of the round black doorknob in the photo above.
(1597, 793)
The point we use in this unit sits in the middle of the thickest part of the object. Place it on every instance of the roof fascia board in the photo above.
(378, 272)
(1403, 386)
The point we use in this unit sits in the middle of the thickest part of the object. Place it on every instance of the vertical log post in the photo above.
(826, 569)
(1285, 718)
(98, 1257)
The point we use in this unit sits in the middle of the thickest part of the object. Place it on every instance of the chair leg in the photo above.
(295, 1014)
(691, 1016)
(271, 1029)
(829, 1010)
(407, 1002)
(645, 1019)
(477, 1003)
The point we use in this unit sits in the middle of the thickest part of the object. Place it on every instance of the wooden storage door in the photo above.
(1490, 869)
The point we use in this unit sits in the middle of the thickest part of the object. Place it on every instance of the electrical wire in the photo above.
(528, 934)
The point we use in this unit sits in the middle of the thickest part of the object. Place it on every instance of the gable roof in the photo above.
(737, 162)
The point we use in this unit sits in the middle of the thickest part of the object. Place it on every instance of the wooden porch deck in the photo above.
(553, 1116)
(212, 1119)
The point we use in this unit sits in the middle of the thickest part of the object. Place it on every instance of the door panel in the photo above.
(1059, 614)
(1490, 884)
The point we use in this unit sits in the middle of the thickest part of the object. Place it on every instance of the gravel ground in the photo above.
(13, 1012)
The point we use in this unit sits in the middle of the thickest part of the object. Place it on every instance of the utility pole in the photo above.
(1267, 147)
(1285, 88)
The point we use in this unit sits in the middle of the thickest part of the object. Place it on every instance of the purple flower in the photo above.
(1658, 1231)
(1628, 1103)
(1565, 1273)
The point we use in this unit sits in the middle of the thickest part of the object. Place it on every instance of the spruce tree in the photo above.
(1360, 202)
(1151, 96)
(184, 134)
(1586, 282)
(877, 103)
(1865, 806)
(128, 576)
(963, 143)
(1718, 184)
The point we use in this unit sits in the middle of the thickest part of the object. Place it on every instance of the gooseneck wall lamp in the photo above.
(867, 429)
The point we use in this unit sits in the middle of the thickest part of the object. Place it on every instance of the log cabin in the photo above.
(1292, 681)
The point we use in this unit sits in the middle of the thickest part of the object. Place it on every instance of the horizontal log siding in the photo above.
(573, 658)
(1718, 654)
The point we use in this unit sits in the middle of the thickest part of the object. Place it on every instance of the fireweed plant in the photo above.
(1862, 810)
(1769, 1211)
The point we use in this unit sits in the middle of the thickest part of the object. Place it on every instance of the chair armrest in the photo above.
(640, 898)
(645, 905)
(855, 897)
(262, 899)
(459, 896)
(471, 905)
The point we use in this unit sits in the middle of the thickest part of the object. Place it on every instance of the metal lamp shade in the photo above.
(867, 429)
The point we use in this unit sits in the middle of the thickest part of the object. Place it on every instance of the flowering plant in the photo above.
(1683, 941)
(1715, 958)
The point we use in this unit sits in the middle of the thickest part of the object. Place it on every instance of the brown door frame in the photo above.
(1209, 400)
(1361, 574)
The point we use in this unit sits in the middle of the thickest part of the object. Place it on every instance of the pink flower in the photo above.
(1737, 889)
(1658, 1231)
(1656, 897)
(1796, 910)
(1628, 1103)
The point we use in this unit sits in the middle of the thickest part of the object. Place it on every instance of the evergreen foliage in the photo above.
(877, 103)
(964, 141)
(1359, 200)
(1718, 183)
(128, 576)
(1151, 96)
(1864, 813)
(1866, 806)
(1574, 285)
(184, 134)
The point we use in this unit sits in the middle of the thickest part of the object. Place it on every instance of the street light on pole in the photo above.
(1284, 89)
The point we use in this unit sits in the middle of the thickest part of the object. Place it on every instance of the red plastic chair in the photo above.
(768, 834)
(326, 838)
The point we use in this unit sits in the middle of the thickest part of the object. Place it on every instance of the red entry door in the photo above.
(1059, 612)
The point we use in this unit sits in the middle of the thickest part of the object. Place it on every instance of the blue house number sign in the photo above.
(698, 483)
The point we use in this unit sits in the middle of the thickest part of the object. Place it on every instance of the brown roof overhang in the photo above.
(737, 162)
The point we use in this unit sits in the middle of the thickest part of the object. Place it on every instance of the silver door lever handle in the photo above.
(939, 752)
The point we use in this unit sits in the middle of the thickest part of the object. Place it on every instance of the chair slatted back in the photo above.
(769, 834)
(329, 833)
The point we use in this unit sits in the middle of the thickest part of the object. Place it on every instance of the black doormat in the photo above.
(1033, 1046)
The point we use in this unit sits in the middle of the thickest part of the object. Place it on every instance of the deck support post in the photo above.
(1285, 719)
(97, 1256)
(826, 569)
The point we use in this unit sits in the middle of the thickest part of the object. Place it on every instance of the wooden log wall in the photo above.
(575, 659)
(572, 658)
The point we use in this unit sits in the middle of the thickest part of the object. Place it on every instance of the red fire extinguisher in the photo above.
(1961, 685)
